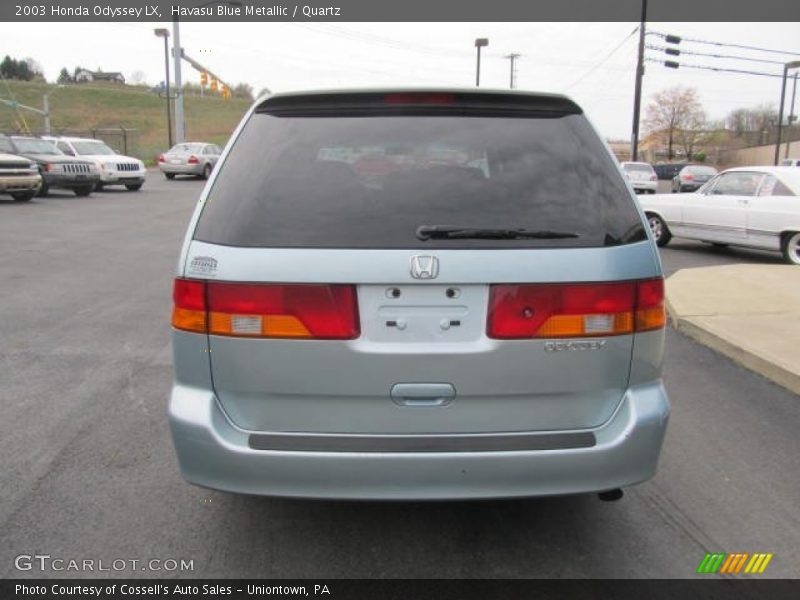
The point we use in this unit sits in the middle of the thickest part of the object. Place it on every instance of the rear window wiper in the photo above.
(453, 232)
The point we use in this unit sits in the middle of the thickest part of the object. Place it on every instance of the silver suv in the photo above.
(417, 295)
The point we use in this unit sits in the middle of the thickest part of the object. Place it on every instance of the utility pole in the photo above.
(637, 95)
(177, 52)
(46, 113)
(512, 57)
(792, 117)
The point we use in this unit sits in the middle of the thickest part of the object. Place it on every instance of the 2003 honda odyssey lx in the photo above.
(417, 295)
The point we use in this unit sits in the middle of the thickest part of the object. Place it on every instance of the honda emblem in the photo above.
(424, 267)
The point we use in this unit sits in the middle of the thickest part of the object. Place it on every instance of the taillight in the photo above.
(574, 310)
(688, 177)
(192, 160)
(189, 305)
(161, 158)
(653, 177)
(650, 312)
(273, 310)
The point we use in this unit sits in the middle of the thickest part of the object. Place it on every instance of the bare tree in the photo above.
(676, 112)
(693, 132)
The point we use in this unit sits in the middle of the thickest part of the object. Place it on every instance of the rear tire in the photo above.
(98, 187)
(791, 248)
(207, 171)
(43, 190)
(133, 187)
(84, 190)
(169, 175)
(23, 196)
(659, 229)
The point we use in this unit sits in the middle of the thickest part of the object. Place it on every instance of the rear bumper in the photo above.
(213, 453)
(193, 169)
(649, 186)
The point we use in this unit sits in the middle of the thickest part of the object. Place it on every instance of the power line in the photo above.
(741, 46)
(693, 53)
(603, 61)
(675, 65)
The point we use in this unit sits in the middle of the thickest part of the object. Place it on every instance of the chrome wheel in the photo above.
(791, 249)
(661, 234)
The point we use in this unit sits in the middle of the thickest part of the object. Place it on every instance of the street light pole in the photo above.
(161, 32)
(177, 51)
(479, 43)
(790, 65)
(637, 95)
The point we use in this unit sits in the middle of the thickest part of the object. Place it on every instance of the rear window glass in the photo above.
(370, 181)
(638, 168)
(701, 170)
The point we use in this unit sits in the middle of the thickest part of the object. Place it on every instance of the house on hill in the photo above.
(86, 76)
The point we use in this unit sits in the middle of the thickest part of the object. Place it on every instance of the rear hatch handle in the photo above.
(423, 394)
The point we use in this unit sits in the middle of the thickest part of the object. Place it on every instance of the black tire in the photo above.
(207, 171)
(659, 229)
(43, 190)
(98, 187)
(791, 247)
(83, 190)
(133, 187)
(169, 175)
(23, 196)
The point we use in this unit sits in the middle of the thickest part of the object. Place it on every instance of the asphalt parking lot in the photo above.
(89, 470)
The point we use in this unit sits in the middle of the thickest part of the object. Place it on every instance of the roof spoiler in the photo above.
(419, 102)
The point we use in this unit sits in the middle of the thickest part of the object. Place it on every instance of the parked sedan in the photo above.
(56, 168)
(190, 158)
(691, 177)
(756, 207)
(642, 177)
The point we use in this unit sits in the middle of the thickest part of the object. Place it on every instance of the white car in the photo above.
(758, 207)
(115, 169)
(642, 176)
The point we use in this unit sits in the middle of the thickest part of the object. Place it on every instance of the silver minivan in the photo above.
(395, 294)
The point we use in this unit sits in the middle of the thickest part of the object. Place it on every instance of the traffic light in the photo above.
(203, 78)
(214, 85)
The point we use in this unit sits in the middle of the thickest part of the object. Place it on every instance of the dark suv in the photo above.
(56, 168)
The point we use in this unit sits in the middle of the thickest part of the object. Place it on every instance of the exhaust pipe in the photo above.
(611, 495)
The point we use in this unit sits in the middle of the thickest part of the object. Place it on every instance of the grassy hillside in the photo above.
(87, 106)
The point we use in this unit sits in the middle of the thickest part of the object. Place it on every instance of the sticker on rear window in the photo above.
(203, 265)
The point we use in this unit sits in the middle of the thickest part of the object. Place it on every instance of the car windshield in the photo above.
(186, 148)
(35, 146)
(370, 181)
(90, 148)
(639, 168)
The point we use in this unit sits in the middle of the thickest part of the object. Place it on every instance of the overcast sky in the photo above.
(573, 58)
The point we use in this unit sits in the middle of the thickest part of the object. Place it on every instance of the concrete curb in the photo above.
(749, 360)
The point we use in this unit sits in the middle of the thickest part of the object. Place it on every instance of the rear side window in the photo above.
(370, 180)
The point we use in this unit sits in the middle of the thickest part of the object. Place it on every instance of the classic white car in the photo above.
(758, 207)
